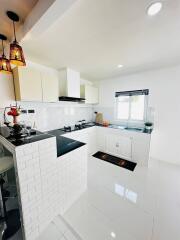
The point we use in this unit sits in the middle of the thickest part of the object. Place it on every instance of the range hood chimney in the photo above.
(70, 86)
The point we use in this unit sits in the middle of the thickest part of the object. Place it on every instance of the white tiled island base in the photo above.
(47, 185)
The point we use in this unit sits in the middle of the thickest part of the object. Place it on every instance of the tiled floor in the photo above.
(59, 230)
(123, 205)
(119, 204)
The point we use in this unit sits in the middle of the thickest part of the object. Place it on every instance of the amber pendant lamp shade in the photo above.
(5, 66)
(16, 52)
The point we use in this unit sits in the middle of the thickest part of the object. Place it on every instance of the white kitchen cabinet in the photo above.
(90, 93)
(28, 84)
(130, 145)
(118, 145)
(69, 81)
(6, 90)
(32, 84)
(101, 138)
(92, 140)
(141, 148)
(50, 87)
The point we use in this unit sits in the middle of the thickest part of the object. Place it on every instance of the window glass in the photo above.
(123, 107)
(131, 106)
(137, 107)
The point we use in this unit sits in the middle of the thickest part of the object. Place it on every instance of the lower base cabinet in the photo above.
(120, 146)
(129, 145)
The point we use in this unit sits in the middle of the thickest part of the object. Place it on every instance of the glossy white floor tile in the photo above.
(59, 230)
(119, 204)
(123, 205)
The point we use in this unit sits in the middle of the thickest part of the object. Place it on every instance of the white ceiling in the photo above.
(94, 36)
(21, 7)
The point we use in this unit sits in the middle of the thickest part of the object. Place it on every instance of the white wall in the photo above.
(164, 86)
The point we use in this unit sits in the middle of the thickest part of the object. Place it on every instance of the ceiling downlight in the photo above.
(154, 8)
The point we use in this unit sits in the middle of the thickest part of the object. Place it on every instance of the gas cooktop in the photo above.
(77, 127)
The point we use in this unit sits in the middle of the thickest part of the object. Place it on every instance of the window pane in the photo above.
(137, 107)
(123, 107)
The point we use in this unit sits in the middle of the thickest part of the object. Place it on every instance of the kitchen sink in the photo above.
(133, 129)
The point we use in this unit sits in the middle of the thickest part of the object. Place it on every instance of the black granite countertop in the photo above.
(121, 127)
(37, 136)
(64, 144)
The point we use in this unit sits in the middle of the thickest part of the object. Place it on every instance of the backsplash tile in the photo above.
(49, 116)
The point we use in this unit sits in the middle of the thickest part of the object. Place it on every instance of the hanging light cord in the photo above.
(14, 32)
(3, 55)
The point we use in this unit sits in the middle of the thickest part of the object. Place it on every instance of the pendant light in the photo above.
(5, 66)
(16, 52)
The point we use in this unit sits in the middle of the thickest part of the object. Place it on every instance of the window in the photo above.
(131, 105)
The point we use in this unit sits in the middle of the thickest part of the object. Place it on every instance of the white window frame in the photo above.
(129, 121)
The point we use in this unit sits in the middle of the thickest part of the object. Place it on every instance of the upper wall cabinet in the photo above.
(28, 84)
(50, 87)
(6, 90)
(69, 83)
(90, 93)
(32, 84)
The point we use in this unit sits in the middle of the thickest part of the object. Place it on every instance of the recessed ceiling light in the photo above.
(120, 66)
(154, 8)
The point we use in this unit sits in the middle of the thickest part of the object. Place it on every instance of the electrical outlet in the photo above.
(31, 111)
(24, 111)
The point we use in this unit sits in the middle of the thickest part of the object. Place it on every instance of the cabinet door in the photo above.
(92, 140)
(91, 94)
(112, 144)
(141, 148)
(50, 87)
(120, 146)
(6, 90)
(28, 84)
(124, 147)
(88, 94)
(95, 95)
(101, 138)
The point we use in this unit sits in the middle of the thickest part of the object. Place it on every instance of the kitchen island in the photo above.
(47, 185)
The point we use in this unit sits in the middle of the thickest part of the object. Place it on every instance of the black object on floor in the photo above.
(115, 160)
(13, 223)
